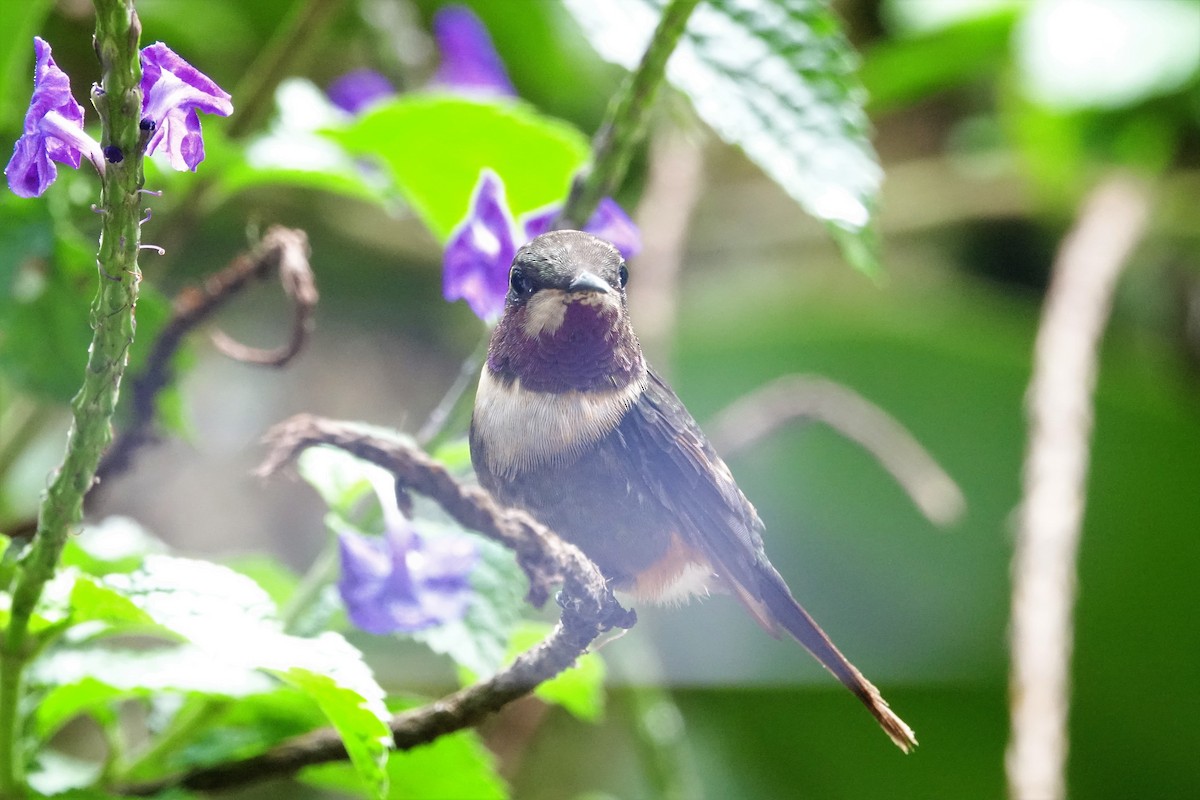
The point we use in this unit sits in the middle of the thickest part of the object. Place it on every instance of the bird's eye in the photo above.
(520, 283)
(623, 275)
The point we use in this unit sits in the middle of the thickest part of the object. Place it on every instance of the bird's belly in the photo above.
(606, 513)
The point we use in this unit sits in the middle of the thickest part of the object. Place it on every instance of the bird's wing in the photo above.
(683, 471)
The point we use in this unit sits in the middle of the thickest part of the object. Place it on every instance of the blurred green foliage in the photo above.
(993, 120)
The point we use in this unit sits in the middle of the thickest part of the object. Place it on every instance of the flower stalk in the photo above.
(625, 122)
(119, 101)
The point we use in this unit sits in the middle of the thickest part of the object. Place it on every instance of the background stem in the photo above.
(625, 122)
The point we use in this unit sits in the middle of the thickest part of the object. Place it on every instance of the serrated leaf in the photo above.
(93, 602)
(231, 618)
(90, 680)
(776, 78)
(276, 579)
(366, 735)
(449, 768)
(249, 726)
(434, 147)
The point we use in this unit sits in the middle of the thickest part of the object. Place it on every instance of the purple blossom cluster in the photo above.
(172, 92)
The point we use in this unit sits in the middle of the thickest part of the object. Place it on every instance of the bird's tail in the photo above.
(781, 608)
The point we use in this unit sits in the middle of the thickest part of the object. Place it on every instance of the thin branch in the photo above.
(299, 285)
(588, 607)
(1059, 407)
(760, 413)
(284, 249)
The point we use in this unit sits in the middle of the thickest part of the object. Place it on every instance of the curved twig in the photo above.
(756, 415)
(285, 249)
(289, 249)
(588, 606)
(1059, 408)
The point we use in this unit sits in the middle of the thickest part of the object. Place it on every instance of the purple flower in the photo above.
(172, 91)
(610, 222)
(402, 581)
(360, 89)
(53, 131)
(481, 249)
(470, 63)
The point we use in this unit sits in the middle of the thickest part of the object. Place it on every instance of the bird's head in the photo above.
(566, 323)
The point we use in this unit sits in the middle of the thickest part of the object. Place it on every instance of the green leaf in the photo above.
(244, 728)
(363, 730)
(291, 153)
(579, 690)
(44, 336)
(115, 544)
(275, 578)
(93, 602)
(231, 618)
(479, 641)
(776, 78)
(434, 147)
(449, 768)
(899, 72)
(89, 680)
(60, 775)
(341, 479)
(21, 22)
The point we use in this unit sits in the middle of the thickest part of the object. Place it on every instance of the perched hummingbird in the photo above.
(572, 425)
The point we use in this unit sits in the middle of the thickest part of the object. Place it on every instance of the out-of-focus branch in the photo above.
(588, 607)
(288, 250)
(1059, 408)
(282, 249)
(673, 185)
(760, 413)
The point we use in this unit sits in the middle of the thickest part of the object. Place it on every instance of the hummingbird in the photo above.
(572, 425)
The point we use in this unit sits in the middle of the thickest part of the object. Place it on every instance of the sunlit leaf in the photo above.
(363, 729)
(435, 146)
(1107, 53)
(64, 776)
(234, 621)
(450, 767)
(89, 680)
(114, 544)
(776, 78)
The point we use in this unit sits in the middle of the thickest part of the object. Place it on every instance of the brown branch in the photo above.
(1059, 408)
(296, 277)
(588, 607)
(282, 249)
(760, 413)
